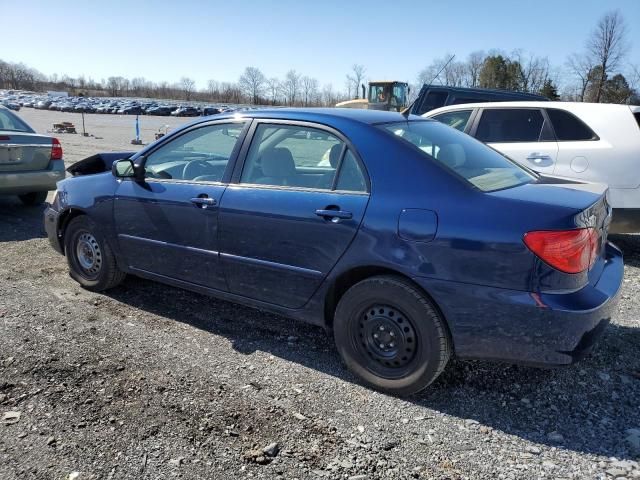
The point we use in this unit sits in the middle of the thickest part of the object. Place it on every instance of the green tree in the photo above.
(499, 72)
(617, 90)
(549, 90)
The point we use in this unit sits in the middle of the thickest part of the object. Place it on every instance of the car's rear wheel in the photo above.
(33, 198)
(91, 261)
(390, 335)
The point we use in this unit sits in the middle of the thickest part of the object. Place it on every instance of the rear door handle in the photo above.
(337, 214)
(204, 202)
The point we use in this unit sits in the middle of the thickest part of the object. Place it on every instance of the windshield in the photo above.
(480, 165)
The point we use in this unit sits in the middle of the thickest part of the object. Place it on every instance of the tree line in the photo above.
(593, 75)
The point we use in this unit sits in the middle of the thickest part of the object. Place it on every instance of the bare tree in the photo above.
(534, 71)
(291, 86)
(608, 46)
(581, 67)
(213, 89)
(445, 71)
(309, 90)
(355, 79)
(474, 64)
(252, 83)
(187, 85)
(273, 89)
(328, 97)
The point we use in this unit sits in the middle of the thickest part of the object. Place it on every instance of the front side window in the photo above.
(510, 125)
(200, 155)
(478, 164)
(303, 157)
(457, 119)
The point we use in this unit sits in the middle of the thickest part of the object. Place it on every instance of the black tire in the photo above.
(390, 335)
(33, 198)
(91, 261)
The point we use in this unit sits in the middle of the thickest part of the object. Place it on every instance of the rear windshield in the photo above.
(11, 123)
(480, 165)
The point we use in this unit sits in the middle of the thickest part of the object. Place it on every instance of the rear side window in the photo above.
(637, 115)
(568, 127)
(510, 125)
(478, 164)
(457, 119)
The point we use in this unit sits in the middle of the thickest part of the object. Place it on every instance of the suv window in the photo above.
(510, 125)
(200, 155)
(457, 119)
(432, 101)
(478, 164)
(295, 156)
(568, 127)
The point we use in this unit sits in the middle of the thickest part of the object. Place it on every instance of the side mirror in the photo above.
(124, 169)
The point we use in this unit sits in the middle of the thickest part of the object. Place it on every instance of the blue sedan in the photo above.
(410, 241)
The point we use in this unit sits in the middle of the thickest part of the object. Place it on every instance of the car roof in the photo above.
(570, 106)
(370, 117)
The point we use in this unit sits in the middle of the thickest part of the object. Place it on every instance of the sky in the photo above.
(166, 40)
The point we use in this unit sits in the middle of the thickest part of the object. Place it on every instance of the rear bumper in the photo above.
(18, 183)
(529, 328)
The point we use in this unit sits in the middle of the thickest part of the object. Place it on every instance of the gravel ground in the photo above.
(149, 382)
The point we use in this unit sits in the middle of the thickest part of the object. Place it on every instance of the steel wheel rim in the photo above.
(88, 254)
(388, 338)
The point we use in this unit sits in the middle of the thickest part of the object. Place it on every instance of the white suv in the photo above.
(595, 142)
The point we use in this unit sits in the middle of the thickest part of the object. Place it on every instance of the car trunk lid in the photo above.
(20, 151)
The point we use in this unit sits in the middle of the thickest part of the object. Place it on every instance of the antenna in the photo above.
(407, 111)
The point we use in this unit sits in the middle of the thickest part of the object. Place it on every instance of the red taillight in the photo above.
(570, 251)
(56, 150)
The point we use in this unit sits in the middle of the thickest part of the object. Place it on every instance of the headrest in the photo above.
(334, 155)
(278, 162)
(452, 155)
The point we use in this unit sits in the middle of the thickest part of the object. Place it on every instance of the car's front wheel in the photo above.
(390, 335)
(33, 198)
(91, 261)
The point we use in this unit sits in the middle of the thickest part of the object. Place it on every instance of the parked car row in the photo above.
(15, 101)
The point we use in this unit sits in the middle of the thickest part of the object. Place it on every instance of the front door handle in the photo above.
(204, 202)
(540, 160)
(334, 214)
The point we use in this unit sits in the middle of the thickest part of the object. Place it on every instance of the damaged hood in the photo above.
(98, 163)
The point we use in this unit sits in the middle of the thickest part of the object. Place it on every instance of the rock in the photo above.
(357, 477)
(626, 464)
(292, 339)
(176, 462)
(633, 439)
(3, 397)
(271, 450)
(390, 445)
(11, 417)
(360, 428)
(616, 472)
(404, 420)
(257, 456)
(73, 476)
(346, 464)
(51, 441)
(604, 376)
(555, 437)
(299, 416)
(548, 464)
(470, 422)
(534, 450)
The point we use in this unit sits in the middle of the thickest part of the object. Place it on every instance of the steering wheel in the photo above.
(189, 171)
